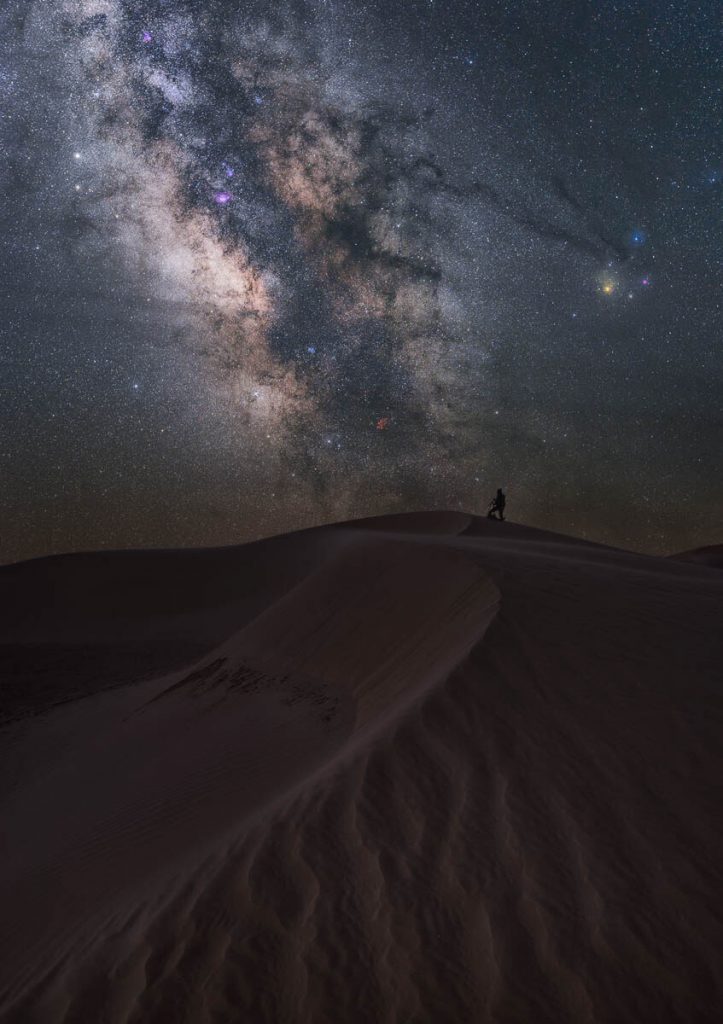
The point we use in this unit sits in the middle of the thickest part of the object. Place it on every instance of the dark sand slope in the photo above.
(430, 768)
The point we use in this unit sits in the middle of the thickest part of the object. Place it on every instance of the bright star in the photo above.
(222, 198)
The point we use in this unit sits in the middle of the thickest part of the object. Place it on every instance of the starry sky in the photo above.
(265, 265)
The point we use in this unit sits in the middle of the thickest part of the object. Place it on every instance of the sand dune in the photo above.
(425, 768)
(711, 556)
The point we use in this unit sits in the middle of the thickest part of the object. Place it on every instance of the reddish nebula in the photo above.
(382, 423)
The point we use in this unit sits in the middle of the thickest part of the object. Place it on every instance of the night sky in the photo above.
(268, 265)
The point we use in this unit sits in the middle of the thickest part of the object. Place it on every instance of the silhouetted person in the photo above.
(497, 505)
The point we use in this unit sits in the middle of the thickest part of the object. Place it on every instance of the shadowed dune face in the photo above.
(74, 624)
(446, 773)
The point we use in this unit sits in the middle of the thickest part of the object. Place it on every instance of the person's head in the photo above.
(499, 490)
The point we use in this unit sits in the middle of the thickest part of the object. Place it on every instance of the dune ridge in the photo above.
(447, 772)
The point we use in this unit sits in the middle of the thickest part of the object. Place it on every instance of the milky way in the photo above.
(274, 264)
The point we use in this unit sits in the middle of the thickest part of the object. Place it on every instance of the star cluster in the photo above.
(269, 265)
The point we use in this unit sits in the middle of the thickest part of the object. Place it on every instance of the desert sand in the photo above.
(425, 768)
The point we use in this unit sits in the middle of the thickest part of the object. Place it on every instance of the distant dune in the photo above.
(711, 556)
(424, 768)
